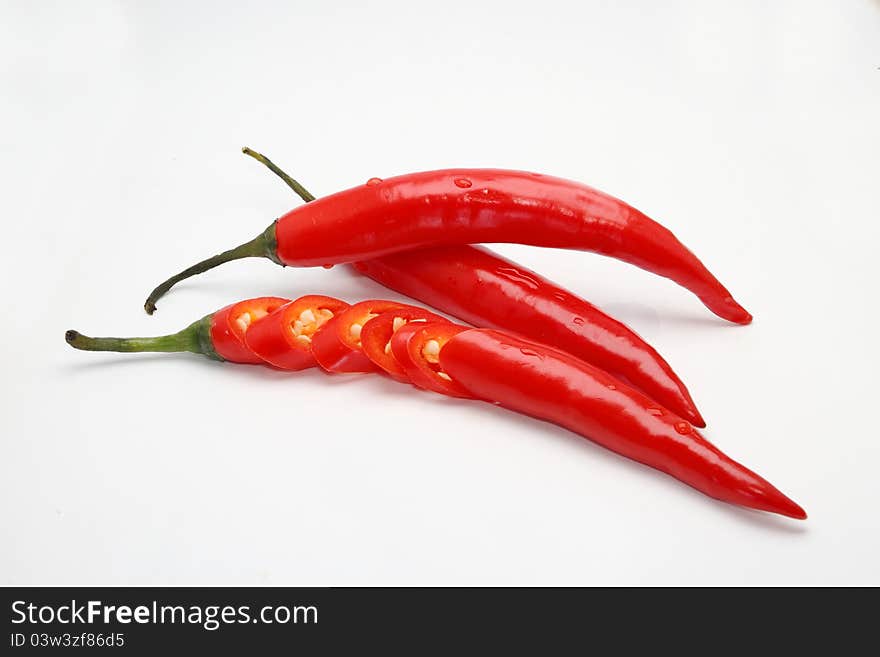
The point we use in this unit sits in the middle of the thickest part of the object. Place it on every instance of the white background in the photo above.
(749, 128)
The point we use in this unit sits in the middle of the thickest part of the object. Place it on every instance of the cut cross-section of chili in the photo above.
(551, 385)
(230, 324)
(416, 347)
(377, 333)
(283, 338)
(337, 345)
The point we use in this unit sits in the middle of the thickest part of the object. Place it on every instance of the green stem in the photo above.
(301, 191)
(262, 246)
(195, 338)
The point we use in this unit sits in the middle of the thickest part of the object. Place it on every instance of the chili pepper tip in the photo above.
(70, 336)
(696, 419)
(792, 509)
(773, 500)
(733, 312)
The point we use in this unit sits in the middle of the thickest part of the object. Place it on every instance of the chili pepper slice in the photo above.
(283, 338)
(220, 335)
(467, 206)
(416, 347)
(337, 345)
(551, 385)
(377, 333)
(230, 323)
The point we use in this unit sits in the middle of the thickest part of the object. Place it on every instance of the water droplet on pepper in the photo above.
(374, 181)
(464, 183)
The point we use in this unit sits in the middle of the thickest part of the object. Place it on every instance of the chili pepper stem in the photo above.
(262, 246)
(301, 191)
(194, 338)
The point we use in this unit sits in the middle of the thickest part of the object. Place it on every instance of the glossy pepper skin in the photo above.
(548, 384)
(467, 206)
(486, 290)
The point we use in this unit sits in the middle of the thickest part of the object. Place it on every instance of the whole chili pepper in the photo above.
(220, 335)
(486, 290)
(545, 383)
(465, 206)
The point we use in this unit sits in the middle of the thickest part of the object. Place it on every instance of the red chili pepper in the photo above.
(465, 206)
(377, 334)
(486, 290)
(229, 325)
(337, 346)
(524, 376)
(283, 338)
(551, 385)
(416, 348)
(220, 335)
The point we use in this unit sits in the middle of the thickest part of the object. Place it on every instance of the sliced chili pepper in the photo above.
(466, 206)
(283, 338)
(230, 323)
(551, 385)
(377, 333)
(521, 375)
(486, 290)
(337, 345)
(416, 347)
(220, 335)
